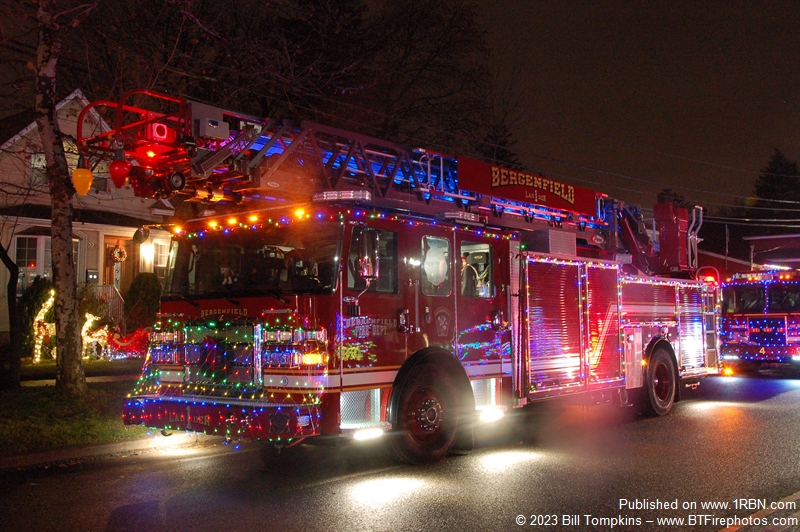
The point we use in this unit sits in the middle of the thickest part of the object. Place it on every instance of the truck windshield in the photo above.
(747, 299)
(784, 297)
(298, 258)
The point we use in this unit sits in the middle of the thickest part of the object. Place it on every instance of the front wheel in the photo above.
(660, 383)
(751, 368)
(427, 417)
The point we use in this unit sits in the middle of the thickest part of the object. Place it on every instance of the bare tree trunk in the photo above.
(10, 357)
(69, 365)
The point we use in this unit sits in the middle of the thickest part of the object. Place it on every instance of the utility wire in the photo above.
(473, 140)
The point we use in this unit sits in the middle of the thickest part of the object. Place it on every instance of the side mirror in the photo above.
(368, 263)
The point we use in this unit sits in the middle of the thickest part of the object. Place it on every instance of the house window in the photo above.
(47, 270)
(34, 259)
(26, 253)
(38, 174)
(100, 180)
(160, 258)
(161, 254)
(38, 177)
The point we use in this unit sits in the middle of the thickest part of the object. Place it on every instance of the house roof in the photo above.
(22, 123)
(10, 126)
(16, 127)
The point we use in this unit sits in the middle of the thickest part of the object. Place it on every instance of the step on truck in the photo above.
(336, 285)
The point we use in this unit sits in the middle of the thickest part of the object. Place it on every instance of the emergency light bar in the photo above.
(334, 196)
(469, 218)
(765, 276)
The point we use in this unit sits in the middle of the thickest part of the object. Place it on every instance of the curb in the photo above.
(94, 452)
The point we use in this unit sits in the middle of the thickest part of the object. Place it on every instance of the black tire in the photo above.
(427, 418)
(752, 368)
(660, 383)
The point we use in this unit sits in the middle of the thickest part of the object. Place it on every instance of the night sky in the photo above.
(629, 98)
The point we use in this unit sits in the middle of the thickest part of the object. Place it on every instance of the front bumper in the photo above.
(731, 354)
(232, 419)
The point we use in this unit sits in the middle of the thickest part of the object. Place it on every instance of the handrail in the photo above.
(115, 302)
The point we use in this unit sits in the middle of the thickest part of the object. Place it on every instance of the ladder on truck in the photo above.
(212, 155)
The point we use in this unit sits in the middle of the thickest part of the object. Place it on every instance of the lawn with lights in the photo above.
(37, 419)
(46, 369)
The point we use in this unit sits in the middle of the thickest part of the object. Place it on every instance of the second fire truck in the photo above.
(760, 322)
(348, 286)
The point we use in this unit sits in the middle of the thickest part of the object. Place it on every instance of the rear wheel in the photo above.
(660, 383)
(427, 417)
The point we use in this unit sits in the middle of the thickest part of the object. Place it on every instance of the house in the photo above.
(104, 220)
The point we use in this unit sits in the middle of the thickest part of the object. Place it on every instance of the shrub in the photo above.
(142, 301)
(89, 302)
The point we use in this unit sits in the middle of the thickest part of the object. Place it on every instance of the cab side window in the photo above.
(435, 269)
(387, 281)
(476, 270)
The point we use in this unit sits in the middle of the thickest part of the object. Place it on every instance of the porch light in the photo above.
(147, 251)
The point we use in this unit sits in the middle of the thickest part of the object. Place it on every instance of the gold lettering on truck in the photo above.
(502, 177)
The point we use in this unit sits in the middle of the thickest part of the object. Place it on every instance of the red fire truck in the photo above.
(760, 320)
(348, 286)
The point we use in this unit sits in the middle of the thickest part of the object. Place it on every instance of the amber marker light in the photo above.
(252, 218)
(177, 230)
(213, 224)
(727, 372)
(300, 213)
(232, 221)
(151, 153)
(312, 359)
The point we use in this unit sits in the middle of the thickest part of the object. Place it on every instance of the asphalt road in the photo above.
(732, 444)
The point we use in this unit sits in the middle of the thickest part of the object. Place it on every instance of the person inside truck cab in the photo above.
(228, 275)
(469, 277)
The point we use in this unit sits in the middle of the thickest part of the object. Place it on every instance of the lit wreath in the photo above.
(118, 254)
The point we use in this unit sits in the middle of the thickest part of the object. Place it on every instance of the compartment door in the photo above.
(555, 339)
(603, 353)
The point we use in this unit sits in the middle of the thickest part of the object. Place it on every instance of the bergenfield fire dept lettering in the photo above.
(502, 177)
(223, 311)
